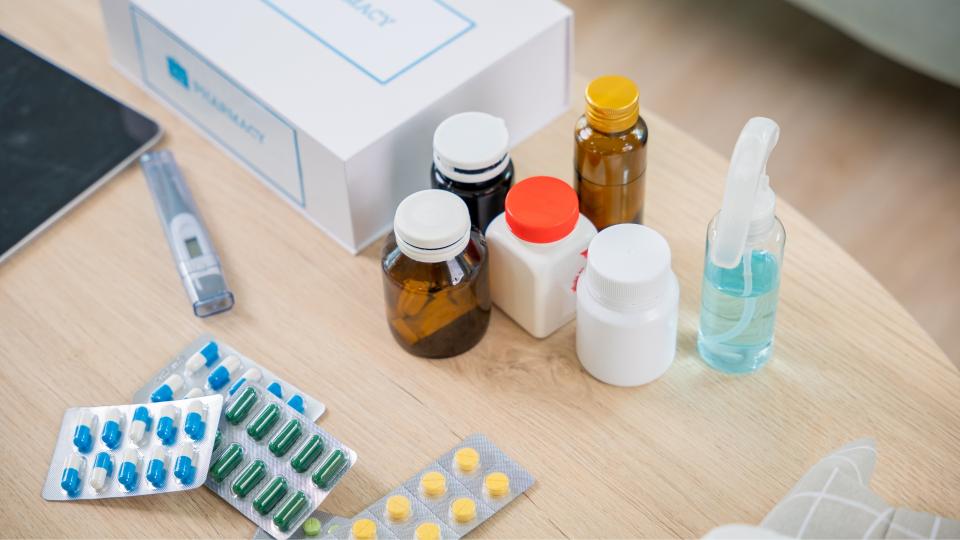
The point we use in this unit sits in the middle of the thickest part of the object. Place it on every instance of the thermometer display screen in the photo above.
(193, 247)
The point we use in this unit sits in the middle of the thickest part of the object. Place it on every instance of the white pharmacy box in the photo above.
(333, 103)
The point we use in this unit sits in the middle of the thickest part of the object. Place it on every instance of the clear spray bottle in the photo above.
(741, 277)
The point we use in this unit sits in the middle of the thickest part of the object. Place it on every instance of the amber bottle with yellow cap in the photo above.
(610, 157)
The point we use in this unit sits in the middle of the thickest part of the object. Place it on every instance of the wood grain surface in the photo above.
(94, 307)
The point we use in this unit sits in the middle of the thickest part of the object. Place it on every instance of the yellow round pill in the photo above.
(466, 459)
(433, 484)
(463, 510)
(497, 484)
(364, 529)
(428, 531)
(398, 508)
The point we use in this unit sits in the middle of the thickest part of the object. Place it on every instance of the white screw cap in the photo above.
(628, 266)
(471, 147)
(432, 226)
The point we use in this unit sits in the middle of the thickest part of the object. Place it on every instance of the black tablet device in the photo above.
(60, 139)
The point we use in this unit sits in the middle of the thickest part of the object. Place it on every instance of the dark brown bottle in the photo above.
(470, 159)
(435, 278)
(610, 154)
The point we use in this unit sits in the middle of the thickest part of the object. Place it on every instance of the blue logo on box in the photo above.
(178, 73)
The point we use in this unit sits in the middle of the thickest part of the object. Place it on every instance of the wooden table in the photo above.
(94, 306)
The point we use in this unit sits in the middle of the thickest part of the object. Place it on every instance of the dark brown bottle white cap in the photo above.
(432, 226)
(471, 147)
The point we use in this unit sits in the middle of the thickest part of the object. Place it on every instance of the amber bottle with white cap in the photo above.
(627, 306)
(435, 277)
(470, 159)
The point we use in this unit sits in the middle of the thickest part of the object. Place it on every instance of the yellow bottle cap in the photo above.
(433, 484)
(466, 459)
(364, 529)
(497, 484)
(613, 103)
(398, 508)
(463, 510)
(428, 531)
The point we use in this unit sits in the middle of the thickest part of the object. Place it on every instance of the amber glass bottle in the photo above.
(610, 157)
(435, 279)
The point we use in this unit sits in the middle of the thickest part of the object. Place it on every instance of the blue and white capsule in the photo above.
(195, 422)
(129, 472)
(276, 389)
(251, 375)
(140, 425)
(102, 470)
(168, 389)
(185, 468)
(220, 376)
(157, 467)
(205, 357)
(112, 432)
(72, 474)
(296, 403)
(83, 432)
(167, 424)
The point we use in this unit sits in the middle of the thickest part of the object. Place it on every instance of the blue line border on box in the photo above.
(470, 26)
(143, 75)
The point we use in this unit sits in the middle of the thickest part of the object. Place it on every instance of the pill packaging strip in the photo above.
(325, 519)
(272, 463)
(131, 450)
(205, 367)
(341, 528)
(457, 485)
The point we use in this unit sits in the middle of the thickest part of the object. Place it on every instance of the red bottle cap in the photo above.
(542, 209)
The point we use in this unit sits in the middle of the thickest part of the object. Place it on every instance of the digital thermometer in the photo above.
(189, 241)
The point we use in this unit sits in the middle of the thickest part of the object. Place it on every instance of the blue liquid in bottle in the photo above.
(738, 311)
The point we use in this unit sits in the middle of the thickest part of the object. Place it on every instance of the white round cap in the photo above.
(471, 147)
(432, 225)
(628, 266)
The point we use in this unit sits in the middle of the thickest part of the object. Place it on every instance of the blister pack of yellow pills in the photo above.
(444, 501)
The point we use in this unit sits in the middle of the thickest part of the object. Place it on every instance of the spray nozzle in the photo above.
(748, 201)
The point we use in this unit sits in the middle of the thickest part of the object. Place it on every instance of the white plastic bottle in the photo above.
(537, 249)
(627, 307)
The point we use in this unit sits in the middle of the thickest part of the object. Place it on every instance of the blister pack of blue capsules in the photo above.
(208, 366)
(272, 464)
(131, 450)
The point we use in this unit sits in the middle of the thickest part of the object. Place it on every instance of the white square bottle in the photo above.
(537, 249)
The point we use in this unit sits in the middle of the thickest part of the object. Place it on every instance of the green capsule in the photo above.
(308, 454)
(217, 440)
(249, 478)
(271, 495)
(240, 408)
(284, 440)
(227, 462)
(290, 510)
(264, 422)
(331, 468)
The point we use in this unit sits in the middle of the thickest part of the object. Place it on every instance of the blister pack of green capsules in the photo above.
(444, 501)
(272, 463)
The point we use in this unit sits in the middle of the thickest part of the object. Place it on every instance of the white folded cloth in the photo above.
(833, 501)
